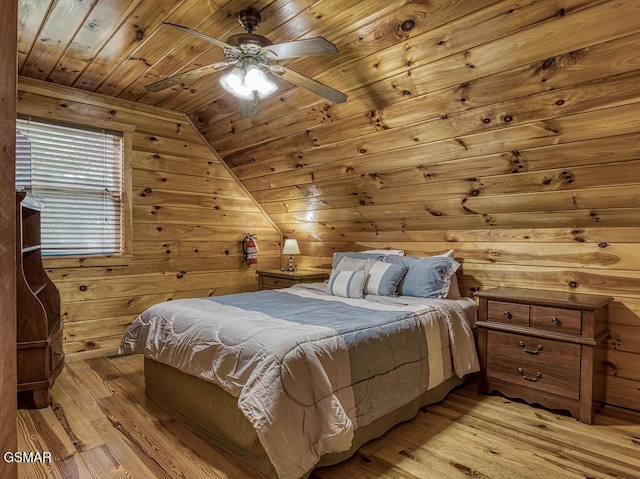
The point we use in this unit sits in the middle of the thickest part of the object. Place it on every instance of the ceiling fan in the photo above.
(252, 58)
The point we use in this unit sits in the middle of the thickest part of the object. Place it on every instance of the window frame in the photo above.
(126, 221)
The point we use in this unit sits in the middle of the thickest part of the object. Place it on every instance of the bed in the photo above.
(289, 380)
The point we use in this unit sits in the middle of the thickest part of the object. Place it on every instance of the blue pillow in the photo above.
(383, 278)
(425, 277)
(347, 284)
(352, 254)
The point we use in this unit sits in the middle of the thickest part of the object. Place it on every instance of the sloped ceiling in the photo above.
(454, 105)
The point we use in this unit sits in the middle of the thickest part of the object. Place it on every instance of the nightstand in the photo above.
(544, 347)
(276, 279)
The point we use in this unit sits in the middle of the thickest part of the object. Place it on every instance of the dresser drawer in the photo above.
(511, 313)
(556, 319)
(538, 363)
(57, 351)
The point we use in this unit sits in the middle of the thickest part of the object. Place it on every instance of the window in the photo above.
(78, 174)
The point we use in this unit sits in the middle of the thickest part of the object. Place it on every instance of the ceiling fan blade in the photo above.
(302, 48)
(215, 41)
(186, 76)
(310, 84)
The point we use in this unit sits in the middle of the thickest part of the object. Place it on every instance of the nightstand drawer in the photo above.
(270, 282)
(511, 313)
(548, 352)
(538, 363)
(556, 319)
(564, 383)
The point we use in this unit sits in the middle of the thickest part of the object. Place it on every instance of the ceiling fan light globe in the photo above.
(233, 82)
(257, 80)
(268, 88)
(242, 84)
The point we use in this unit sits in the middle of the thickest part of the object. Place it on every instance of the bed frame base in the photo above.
(212, 413)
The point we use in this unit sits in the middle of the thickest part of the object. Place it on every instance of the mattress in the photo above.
(307, 369)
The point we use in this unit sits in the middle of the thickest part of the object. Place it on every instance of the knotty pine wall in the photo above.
(188, 216)
(8, 383)
(508, 131)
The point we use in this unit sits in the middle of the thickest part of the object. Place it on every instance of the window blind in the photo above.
(77, 174)
(23, 162)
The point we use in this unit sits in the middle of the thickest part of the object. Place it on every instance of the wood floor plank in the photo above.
(82, 372)
(484, 454)
(130, 367)
(550, 440)
(29, 440)
(74, 467)
(147, 441)
(565, 430)
(418, 460)
(80, 394)
(474, 456)
(101, 463)
(52, 433)
(220, 463)
(122, 449)
(102, 425)
(82, 435)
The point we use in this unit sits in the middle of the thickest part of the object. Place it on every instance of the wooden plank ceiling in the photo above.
(436, 87)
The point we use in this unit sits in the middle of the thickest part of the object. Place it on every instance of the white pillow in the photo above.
(454, 289)
(347, 263)
(347, 284)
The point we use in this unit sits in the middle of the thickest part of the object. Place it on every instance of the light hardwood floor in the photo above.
(101, 425)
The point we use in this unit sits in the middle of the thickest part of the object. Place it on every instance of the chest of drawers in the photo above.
(544, 347)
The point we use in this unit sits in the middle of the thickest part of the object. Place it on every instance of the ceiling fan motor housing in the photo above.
(249, 42)
(249, 19)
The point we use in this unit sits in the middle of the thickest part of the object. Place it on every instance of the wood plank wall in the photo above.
(8, 35)
(189, 215)
(506, 130)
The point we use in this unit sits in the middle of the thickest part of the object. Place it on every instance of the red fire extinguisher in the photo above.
(250, 249)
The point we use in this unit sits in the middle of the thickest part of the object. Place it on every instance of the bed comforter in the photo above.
(307, 367)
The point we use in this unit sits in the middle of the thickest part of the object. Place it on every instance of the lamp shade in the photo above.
(290, 247)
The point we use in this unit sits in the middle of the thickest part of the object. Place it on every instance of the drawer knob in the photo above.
(507, 314)
(534, 379)
(58, 353)
(555, 320)
(530, 351)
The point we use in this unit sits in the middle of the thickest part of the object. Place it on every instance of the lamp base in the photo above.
(290, 268)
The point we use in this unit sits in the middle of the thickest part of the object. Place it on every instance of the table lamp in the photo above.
(290, 248)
